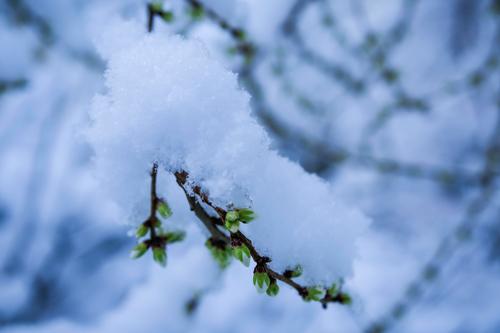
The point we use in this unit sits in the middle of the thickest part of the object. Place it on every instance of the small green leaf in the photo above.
(297, 271)
(138, 251)
(196, 12)
(246, 215)
(164, 210)
(345, 298)
(167, 16)
(273, 289)
(242, 253)
(221, 253)
(239, 34)
(174, 236)
(141, 231)
(232, 226)
(232, 216)
(222, 257)
(156, 6)
(237, 253)
(314, 294)
(160, 256)
(261, 281)
(333, 290)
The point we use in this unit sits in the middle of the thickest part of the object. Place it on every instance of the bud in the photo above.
(246, 215)
(261, 281)
(273, 288)
(239, 34)
(232, 226)
(156, 6)
(296, 272)
(174, 236)
(138, 251)
(164, 209)
(333, 290)
(314, 294)
(196, 12)
(167, 16)
(141, 231)
(160, 256)
(220, 252)
(232, 216)
(345, 298)
(242, 253)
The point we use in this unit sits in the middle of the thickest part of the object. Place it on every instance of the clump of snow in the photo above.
(169, 101)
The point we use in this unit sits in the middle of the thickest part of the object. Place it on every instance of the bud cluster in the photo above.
(220, 251)
(235, 217)
(158, 237)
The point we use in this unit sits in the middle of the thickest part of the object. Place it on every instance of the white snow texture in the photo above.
(169, 101)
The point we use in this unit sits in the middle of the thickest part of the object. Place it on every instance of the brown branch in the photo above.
(208, 221)
(244, 47)
(261, 260)
(151, 17)
(212, 223)
(235, 32)
(152, 221)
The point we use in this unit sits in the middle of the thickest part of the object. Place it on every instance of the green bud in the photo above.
(164, 210)
(261, 281)
(239, 34)
(232, 226)
(160, 256)
(138, 251)
(174, 236)
(167, 16)
(273, 289)
(156, 6)
(141, 231)
(196, 12)
(242, 253)
(314, 294)
(232, 216)
(333, 290)
(220, 253)
(345, 299)
(246, 215)
(222, 257)
(297, 271)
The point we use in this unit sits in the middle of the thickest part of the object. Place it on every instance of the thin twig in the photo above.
(212, 223)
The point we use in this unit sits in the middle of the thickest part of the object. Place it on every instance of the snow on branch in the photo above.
(170, 105)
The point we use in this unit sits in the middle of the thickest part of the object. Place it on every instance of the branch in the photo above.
(152, 220)
(158, 238)
(208, 221)
(237, 238)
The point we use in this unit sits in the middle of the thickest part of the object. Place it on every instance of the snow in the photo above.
(169, 101)
(64, 264)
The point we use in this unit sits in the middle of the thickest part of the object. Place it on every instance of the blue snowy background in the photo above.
(394, 102)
